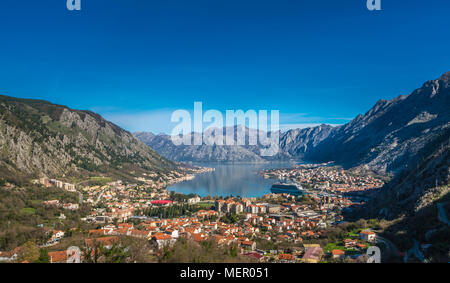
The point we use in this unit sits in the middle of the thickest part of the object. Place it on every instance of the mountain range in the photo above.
(163, 144)
(385, 139)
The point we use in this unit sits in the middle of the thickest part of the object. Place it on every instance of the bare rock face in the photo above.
(201, 153)
(296, 143)
(419, 186)
(40, 138)
(389, 137)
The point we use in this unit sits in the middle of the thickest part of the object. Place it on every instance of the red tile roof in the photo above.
(286, 257)
(58, 257)
(337, 252)
(106, 241)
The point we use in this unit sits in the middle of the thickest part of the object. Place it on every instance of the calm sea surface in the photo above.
(230, 179)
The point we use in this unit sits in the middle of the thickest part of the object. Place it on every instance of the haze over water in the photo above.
(230, 179)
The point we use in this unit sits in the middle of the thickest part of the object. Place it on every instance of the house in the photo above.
(252, 209)
(238, 208)
(71, 206)
(361, 246)
(99, 232)
(283, 238)
(6, 256)
(266, 227)
(52, 202)
(349, 243)
(106, 242)
(286, 257)
(219, 239)
(121, 231)
(337, 254)
(192, 230)
(140, 234)
(249, 245)
(298, 240)
(161, 202)
(161, 240)
(322, 225)
(273, 208)
(172, 232)
(199, 237)
(308, 234)
(367, 236)
(45, 181)
(254, 255)
(219, 205)
(57, 234)
(103, 219)
(58, 257)
(212, 226)
(125, 225)
(194, 200)
(10, 256)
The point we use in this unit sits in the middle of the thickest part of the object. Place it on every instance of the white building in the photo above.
(194, 200)
(367, 236)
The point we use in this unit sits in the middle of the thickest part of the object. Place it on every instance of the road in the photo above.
(391, 249)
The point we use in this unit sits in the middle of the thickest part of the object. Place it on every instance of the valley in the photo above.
(70, 177)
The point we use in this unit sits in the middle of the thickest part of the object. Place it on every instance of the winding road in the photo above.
(390, 247)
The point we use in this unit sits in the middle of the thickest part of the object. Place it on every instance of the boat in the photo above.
(285, 188)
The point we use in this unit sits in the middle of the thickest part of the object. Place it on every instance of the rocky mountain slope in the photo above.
(298, 142)
(40, 138)
(422, 183)
(417, 203)
(201, 153)
(389, 136)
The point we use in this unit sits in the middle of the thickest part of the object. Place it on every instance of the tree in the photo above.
(188, 251)
(92, 254)
(139, 250)
(43, 256)
(115, 254)
(361, 223)
(29, 252)
(230, 218)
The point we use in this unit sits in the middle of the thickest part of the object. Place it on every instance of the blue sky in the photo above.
(135, 61)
